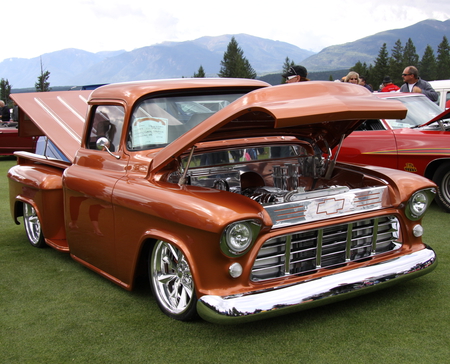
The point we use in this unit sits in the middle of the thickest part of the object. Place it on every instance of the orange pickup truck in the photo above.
(225, 193)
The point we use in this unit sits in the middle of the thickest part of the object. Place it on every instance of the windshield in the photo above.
(157, 122)
(420, 111)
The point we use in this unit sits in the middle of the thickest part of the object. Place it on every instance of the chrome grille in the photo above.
(306, 251)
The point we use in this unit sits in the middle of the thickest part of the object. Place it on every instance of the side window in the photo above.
(447, 100)
(438, 101)
(107, 121)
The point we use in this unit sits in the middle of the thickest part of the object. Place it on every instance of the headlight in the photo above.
(239, 236)
(419, 202)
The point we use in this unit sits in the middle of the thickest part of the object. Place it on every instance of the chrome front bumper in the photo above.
(286, 299)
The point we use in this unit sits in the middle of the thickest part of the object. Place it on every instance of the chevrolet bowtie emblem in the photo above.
(330, 206)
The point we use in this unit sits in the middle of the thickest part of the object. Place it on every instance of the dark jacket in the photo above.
(6, 115)
(368, 87)
(426, 88)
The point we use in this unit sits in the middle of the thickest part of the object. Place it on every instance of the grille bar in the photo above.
(306, 251)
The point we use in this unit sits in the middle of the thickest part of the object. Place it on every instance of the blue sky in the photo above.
(44, 26)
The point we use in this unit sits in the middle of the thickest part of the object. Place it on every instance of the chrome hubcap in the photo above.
(32, 224)
(172, 278)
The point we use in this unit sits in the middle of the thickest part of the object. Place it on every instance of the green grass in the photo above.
(53, 310)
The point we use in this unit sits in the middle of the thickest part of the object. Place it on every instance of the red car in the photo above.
(419, 144)
(10, 141)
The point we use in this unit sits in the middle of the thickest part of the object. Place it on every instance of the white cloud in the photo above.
(97, 25)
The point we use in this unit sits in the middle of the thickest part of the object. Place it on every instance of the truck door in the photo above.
(88, 186)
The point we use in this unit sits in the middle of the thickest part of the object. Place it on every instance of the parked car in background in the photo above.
(10, 141)
(224, 192)
(442, 87)
(419, 143)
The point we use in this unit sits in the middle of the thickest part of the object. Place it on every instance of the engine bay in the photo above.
(274, 175)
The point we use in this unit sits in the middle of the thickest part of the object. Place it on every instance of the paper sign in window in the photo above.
(149, 131)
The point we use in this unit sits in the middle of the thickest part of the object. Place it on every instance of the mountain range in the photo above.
(77, 67)
(427, 32)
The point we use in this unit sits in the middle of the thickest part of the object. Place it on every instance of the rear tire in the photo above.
(33, 226)
(171, 282)
(442, 179)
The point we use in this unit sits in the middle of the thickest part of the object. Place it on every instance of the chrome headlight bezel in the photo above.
(419, 203)
(238, 237)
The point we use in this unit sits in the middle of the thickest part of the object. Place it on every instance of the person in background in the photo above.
(362, 82)
(296, 74)
(4, 110)
(413, 83)
(15, 113)
(388, 86)
(352, 77)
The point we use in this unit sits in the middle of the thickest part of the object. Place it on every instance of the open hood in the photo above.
(60, 115)
(316, 111)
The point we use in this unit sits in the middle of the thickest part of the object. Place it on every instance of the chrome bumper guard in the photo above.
(257, 305)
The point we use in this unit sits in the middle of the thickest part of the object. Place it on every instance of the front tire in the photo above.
(442, 179)
(33, 226)
(171, 282)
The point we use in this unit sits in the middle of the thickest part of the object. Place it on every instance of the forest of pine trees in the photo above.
(431, 66)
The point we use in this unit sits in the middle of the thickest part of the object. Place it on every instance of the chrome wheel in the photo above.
(33, 226)
(171, 281)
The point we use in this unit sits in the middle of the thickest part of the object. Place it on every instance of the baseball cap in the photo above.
(296, 71)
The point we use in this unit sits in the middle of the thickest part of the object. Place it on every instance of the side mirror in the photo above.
(104, 144)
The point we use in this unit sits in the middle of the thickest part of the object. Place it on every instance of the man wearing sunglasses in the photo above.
(296, 74)
(413, 83)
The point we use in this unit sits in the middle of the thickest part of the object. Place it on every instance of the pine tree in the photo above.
(5, 90)
(396, 64)
(428, 64)
(443, 60)
(380, 68)
(410, 57)
(200, 73)
(361, 69)
(287, 64)
(43, 85)
(234, 64)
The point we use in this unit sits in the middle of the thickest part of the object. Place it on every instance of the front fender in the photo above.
(401, 183)
(197, 207)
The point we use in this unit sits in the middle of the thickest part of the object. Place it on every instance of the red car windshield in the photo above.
(420, 111)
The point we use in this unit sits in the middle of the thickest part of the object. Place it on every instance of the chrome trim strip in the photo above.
(55, 117)
(282, 300)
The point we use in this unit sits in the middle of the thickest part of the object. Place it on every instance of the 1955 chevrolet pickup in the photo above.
(225, 192)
